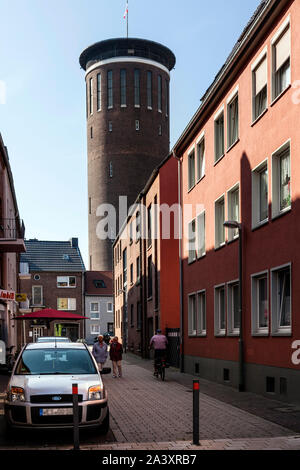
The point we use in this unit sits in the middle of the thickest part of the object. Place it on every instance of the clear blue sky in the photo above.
(43, 121)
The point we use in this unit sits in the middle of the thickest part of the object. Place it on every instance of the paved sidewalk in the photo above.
(158, 415)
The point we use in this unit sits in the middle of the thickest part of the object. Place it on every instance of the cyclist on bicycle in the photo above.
(159, 342)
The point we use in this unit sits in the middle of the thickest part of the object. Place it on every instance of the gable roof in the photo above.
(55, 256)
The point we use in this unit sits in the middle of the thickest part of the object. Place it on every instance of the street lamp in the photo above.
(232, 224)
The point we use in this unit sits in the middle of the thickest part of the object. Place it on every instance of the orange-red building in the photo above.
(239, 162)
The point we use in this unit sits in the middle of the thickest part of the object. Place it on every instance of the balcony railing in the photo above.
(11, 229)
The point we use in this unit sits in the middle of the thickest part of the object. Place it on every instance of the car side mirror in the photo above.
(106, 370)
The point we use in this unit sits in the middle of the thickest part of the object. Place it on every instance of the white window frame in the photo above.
(277, 330)
(233, 234)
(112, 307)
(263, 56)
(201, 224)
(285, 26)
(200, 330)
(71, 303)
(192, 316)
(276, 211)
(230, 100)
(42, 296)
(216, 118)
(200, 141)
(255, 328)
(217, 317)
(192, 151)
(95, 325)
(192, 243)
(95, 314)
(218, 243)
(231, 330)
(65, 279)
(256, 172)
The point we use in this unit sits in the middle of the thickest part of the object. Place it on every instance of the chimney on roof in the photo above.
(74, 242)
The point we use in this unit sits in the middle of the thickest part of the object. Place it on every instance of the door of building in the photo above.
(173, 336)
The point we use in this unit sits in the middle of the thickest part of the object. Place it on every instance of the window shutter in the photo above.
(282, 49)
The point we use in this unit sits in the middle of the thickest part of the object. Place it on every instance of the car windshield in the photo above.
(55, 361)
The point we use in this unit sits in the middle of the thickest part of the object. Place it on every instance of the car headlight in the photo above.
(17, 394)
(95, 392)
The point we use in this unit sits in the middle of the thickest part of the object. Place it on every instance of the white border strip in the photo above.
(138, 60)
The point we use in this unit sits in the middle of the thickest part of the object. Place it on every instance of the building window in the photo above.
(95, 329)
(110, 328)
(123, 87)
(149, 277)
(131, 273)
(131, 315)
(201, 159)
(110, 89)
(124, 269)
(260, 304)
(91, 95)
(260, 196)
(137, 125)
(192, 241)
(66, 304)
(191, 170)
(99, 284)
(281, 181)
(137, 226)
(219, 137)
(110, 126)
(201, 313)
(110, 169)
(95, 310)
(137, 99)
(233, 121)
(220, 311)
(281, 305)
(91, 132)
(233, 200)
(110, 307)
(281, 50)
(139, 316)
(192, 315)
(99, 92)
(167, 97)
(131, 233)
(233, 297)
(138, 269)
(66, 281)
(149, 226)
(160, 129)
(201, 251)
(37, 295)
(159, 93)
(149, 89)
(260, 88)
(219, 222)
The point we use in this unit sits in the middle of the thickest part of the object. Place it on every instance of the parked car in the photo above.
(39, 393)
(47, 339)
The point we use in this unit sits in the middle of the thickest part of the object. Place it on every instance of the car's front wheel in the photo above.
(104, 427)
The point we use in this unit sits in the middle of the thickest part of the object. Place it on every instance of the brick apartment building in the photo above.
(146, 295)
(11, 245)
(52, 276)
(239, 155)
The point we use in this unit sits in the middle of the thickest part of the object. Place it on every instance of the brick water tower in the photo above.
(127, 111)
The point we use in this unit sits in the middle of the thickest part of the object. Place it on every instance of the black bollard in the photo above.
(196, 389)
(75, 416)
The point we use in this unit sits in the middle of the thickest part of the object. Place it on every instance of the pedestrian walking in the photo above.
(159, 342)
(100, 352)
(115, 353)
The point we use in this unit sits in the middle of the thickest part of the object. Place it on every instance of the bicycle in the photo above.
(161, 367)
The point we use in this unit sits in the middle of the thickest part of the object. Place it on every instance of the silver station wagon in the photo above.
(39, 393)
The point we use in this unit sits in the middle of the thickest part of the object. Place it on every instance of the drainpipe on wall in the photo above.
(180, 267)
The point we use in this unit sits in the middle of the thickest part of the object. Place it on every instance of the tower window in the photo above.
(109, 89)
(91, 132)
(167, 98)
(110, 126)
(91, 96)
(110, 170)
(149, 89)
(99, 92)
(159, 130)
(159, 93)
(137, 125)
(123, 87)
(137, 101)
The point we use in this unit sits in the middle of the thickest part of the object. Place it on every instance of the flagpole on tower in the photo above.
(126, 16)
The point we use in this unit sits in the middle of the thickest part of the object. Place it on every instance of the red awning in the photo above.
(50, 314)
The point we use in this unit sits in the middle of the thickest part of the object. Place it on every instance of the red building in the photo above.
(239, 157)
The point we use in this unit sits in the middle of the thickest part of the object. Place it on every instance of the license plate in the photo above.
(55, 411)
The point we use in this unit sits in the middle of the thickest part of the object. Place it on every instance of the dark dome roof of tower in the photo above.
(123, 47)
